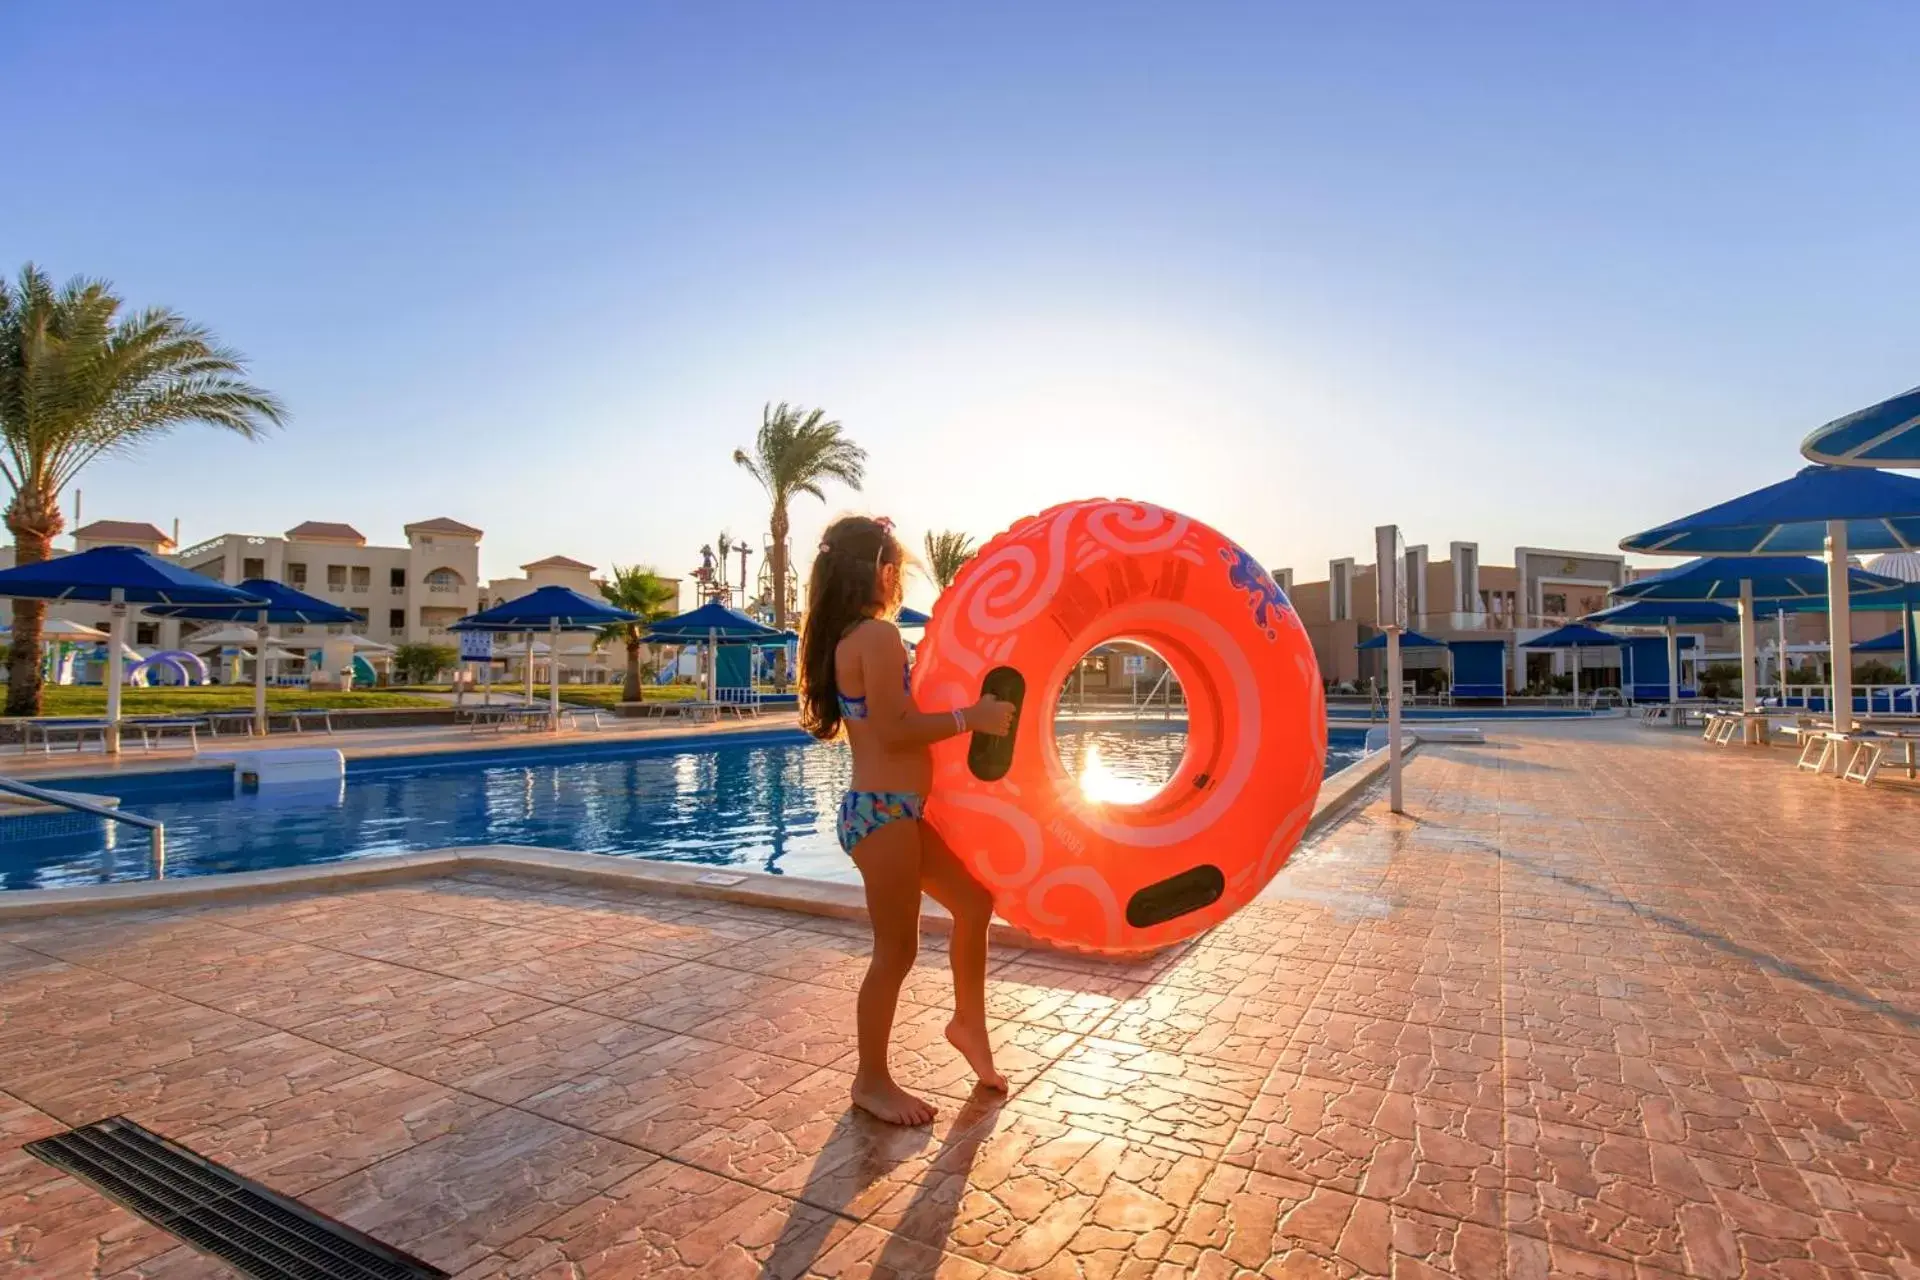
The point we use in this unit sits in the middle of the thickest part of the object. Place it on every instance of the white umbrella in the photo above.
(367, 644)
(223, 636)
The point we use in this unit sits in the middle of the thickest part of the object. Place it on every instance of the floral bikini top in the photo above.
(855, 708)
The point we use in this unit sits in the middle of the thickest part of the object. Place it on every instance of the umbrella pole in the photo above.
(1780, 621)
(528, 637)
(1840, 626)
(1747, 645)
(553, 674)
(713, 664)
(116, 642)
(1673, 669)
(1576, 677)
(260, 678)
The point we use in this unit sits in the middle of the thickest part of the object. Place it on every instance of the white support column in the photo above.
(1673, 669)
(1839, 626)
(260, 677)
(1393, 721)
(1749, 663)
(553, 675)
(116, 667)
(1780, 620)
(529, 658)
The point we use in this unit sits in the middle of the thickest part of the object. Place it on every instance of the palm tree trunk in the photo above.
(34, 520)
(779, 553)
(630, 692)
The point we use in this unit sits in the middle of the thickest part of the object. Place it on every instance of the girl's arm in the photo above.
(890, 711)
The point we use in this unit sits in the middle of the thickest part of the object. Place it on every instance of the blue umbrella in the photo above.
(1748, 579)
(1757, 577)
(1837, 509)
(709, 625)
(279, 603)
(118, 577)
(1576, 637)
(549, 609)
(912, 617)
(1892, 642)
(1408, 640)
(1881, 435)
(1670, 615)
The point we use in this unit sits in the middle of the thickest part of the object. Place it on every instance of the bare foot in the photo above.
(885, 1100)
(973, 1045)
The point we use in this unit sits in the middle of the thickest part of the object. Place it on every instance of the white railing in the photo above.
(1873, 699)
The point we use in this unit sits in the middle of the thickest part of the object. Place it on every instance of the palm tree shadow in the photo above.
(859, 1153)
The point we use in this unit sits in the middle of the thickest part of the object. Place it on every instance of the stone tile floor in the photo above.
(1609, 1004)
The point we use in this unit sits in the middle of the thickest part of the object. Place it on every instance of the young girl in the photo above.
(853, 673)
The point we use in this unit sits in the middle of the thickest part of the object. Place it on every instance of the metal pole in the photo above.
(1393, 721)
(1576, 677)
(528, 637)
(1748, 656)
(116, 642)
(1839, 626)
(260, 677)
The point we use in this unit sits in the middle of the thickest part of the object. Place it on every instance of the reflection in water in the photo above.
(757, 805)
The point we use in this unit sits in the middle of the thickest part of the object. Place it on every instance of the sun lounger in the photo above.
(49, 727)
(1867, 752)
(151, 728)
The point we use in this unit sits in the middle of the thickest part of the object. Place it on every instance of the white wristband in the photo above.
(959, 720)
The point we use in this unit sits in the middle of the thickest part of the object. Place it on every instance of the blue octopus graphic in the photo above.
(1264, 595)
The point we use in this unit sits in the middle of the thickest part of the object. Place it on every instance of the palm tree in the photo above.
(637, 589)
(797, 451)
(947, 551)
(79, 379)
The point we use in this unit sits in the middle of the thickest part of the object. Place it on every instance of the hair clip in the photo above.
(885, 523)
(825, 546)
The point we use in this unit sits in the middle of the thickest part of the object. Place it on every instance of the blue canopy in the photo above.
(140, 578)
(1659, 613)
(1408, 640)
(1881, 435)
(1892, 642)
(281, 604)
(912, 617)
(1771, 578)
(1886, 600)
(549, 608)
(1573, 636)
(1881, 511)
(711, 621)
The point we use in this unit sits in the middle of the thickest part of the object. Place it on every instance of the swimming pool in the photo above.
(760, 801)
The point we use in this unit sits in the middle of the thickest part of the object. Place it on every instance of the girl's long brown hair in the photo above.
(843, 588)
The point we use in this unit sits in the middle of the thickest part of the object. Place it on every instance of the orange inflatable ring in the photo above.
(1123, 878)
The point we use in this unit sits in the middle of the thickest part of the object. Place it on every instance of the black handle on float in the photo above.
(989, 756)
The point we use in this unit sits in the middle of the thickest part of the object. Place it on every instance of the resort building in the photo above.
(1486, 613)
(403, 594)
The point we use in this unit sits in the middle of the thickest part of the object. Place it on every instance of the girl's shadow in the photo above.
(860, 1152)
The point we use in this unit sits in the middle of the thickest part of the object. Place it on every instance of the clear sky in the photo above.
(1523, 273)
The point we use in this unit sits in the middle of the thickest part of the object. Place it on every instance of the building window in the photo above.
(443, 580)
(336, 577)
(397, 579)
(297, 576)
(146, 633)
(396, 619)
(360, 614)
(1554, 603)
(362, 578)
(253, 567)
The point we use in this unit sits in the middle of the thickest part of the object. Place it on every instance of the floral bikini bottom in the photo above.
(864, 812)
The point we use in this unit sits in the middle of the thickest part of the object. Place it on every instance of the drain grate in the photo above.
(256, 1231)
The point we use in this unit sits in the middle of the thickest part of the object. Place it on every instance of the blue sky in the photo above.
(1520, 273)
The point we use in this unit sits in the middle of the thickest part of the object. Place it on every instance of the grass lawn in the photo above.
(582, 695)
(83, 700)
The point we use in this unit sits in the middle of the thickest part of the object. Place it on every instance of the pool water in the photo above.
(762, 802)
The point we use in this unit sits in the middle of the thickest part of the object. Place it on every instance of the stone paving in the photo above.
(1609, 1004)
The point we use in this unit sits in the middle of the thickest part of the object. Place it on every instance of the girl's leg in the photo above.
(949, 882)
(889, 862)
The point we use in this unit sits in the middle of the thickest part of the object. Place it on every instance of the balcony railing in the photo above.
(447, 587)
